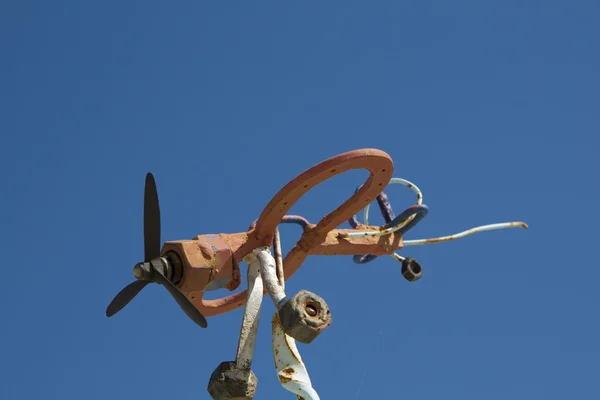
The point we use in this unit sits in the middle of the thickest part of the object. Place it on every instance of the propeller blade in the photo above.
(124, 297)
(151, 256)
(185, 304)
(151, 220)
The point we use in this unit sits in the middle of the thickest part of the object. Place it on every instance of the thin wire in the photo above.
(367, 369)
(404, 182)
(361, 382)
(418, 242)
(398, 257)
(491, 227)
(391, 229)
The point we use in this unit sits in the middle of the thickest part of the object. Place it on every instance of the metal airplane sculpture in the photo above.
(189, 268)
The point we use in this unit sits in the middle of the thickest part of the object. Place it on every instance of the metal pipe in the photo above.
(278, 259)
(491, 227)
(400, 181)
(251, 318)
(268, 271)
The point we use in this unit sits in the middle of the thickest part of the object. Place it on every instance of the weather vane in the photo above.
(189, 268)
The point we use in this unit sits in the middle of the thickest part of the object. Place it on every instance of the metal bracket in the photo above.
(291, 370)
(236, 379)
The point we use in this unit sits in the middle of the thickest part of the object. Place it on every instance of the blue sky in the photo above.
(491, 108)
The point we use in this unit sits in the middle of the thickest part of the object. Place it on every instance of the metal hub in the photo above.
(138, 271)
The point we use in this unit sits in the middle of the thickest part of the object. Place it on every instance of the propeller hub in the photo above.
(140, 271)
(155, 269)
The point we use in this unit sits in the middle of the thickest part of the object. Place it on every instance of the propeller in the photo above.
(154, 268)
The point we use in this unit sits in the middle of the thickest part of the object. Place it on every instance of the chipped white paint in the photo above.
(268, 270)
(291, 371)
(251, 318)
(491, 227)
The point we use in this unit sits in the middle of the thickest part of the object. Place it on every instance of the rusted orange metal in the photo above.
(214, 256)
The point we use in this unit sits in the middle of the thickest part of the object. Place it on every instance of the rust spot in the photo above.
(236, 278)
(286, 375)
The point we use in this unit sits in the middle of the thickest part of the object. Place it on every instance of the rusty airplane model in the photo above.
(189, 268)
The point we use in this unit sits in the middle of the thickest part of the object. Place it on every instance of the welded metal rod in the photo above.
(251, 318)
(279, 259)
(268, 271)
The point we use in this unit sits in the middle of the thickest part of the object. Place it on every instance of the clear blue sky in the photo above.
(490, 107)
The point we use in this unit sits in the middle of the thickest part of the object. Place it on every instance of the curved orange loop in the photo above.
(377, 162)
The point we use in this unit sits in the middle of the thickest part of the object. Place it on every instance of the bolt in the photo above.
(138, 272)
(304, 316)
(141, 271)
